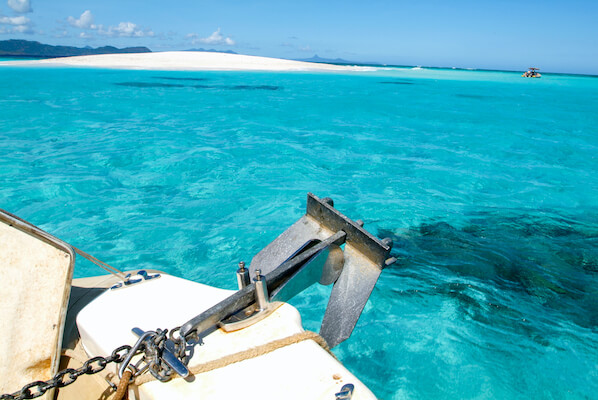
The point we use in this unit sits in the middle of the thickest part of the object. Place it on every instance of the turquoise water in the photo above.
(487, 183)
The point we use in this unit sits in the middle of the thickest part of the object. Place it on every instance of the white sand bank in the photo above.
(186, 60)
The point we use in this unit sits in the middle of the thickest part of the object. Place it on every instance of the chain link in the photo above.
(67, 376)
(153, 357)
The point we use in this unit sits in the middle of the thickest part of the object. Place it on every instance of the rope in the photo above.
(83, 254)
(248, 354)
(116, 272)
(123, 386)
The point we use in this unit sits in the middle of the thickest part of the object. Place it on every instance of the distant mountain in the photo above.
(318, 59)
(213, 51)
(26, 48)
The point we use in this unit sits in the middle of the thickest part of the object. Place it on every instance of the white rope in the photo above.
(116, 272)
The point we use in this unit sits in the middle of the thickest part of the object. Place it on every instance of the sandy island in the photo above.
(186, 60)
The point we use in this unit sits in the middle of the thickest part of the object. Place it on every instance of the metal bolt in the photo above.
(242, 276)
(387, 242)
(328, 201)
(261, 291)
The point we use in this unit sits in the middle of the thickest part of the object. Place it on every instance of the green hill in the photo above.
(26, 48)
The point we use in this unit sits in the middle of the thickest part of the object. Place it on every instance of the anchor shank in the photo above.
(246, 296)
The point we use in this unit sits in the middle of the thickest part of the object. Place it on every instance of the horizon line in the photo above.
(356, 63)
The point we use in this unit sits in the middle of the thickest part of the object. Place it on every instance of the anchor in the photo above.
(322, 246)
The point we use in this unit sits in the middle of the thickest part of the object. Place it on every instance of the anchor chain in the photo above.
(162, 354)
(68, 376)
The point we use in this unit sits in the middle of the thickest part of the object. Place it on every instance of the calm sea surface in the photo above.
(486, 182)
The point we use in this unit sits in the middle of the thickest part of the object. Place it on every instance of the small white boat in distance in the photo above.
(149, 335)
(532, 73)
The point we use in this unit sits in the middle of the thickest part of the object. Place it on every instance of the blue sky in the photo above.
(559, 36)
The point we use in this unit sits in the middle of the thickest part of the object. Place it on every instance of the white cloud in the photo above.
(18, 24)
(124, 29)
(20, 6)
(14, 20)
(22, 29)
(215, 38)
(62, 34)
(16, 29)
(85, 21)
